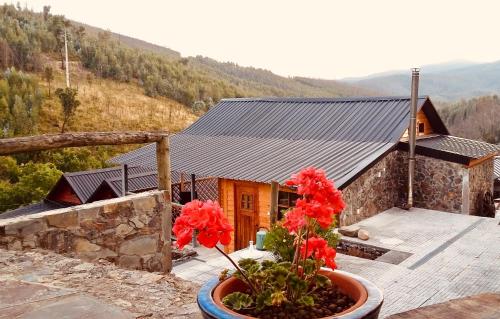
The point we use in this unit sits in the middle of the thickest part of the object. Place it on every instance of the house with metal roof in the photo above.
(250, 144)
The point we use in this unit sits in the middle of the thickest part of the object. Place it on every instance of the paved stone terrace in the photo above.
(453, 256)
(41, 284)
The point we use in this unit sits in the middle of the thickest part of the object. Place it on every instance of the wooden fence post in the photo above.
(275, 188)
(164, 184)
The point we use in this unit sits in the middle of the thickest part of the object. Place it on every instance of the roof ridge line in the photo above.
(97, 170)
(321, 99)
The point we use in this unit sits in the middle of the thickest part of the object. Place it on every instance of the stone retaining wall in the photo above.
(125, 231)
(480, 181)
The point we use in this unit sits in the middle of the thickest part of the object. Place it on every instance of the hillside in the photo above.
(249, 81)
(108, 105)
(129, 41)
(260, 82)
(477, 118)
(447, 82)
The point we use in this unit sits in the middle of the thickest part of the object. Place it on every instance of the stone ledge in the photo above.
(84, 207)
(128, 227)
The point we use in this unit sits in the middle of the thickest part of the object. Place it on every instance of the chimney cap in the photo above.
(415, 70)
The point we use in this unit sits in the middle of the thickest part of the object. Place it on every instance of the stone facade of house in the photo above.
(125, 231)
(480, 182)
(374, 191)
(439, 185)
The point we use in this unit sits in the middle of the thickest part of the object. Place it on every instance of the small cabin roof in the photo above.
(452, 148)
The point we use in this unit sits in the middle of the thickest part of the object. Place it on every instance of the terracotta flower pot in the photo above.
(368, 298)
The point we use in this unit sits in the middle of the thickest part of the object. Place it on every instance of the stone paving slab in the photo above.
(72, 286)
(35, 301)
(14, 293)
(483, 306)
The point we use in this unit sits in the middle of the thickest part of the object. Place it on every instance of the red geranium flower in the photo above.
(318, 248)
(207, 219)
(294, 220)
(321, 200)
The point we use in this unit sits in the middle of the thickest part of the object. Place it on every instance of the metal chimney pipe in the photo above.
(124, 180)
(412, 132)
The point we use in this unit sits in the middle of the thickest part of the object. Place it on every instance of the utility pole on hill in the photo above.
(66, 54)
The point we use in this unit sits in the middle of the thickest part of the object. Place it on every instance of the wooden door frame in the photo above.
(236, 206)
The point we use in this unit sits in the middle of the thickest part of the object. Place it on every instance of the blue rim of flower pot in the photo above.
(368, 309)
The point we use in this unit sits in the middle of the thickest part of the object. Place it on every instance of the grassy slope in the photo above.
(108, 105)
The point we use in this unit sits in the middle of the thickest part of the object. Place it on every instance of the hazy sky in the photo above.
(327, 39)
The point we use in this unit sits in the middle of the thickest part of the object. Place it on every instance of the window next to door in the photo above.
(285, 201)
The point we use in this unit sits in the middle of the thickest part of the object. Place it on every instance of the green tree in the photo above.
(32, 184)
(77, 159)
(48, 75)
(20, 101)
(9, 171)
(69, 103)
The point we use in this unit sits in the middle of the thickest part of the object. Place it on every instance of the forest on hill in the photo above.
(477, 118)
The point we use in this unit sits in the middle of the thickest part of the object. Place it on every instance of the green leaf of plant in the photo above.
(310, 266)
(267, 264)
(264, 299)
(298, 285)
(248, 263)
(285, 264)
(306, 301)
(322, 281)
(237, 301)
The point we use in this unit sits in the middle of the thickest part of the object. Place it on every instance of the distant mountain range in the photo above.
(446, 82)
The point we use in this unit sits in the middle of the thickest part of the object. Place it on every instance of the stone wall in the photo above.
(480, 181)
(374, 191)
(125, 231)
(438, 184)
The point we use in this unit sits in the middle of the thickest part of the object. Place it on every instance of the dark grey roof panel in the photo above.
(262, 160)
(497, 167)
(85, 183)
(140, 182)
(31, 209)
(356, 119)
(461, 146)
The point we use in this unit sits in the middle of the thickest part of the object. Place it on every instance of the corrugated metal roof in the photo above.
(497, 167)
(454, 148)
(138, 183)
(271, 138)
(31, 209)
(85, 183)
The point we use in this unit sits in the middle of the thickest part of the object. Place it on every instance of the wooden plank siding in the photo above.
(421, 118)
(227, 190)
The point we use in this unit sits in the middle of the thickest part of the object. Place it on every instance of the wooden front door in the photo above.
(247, 220)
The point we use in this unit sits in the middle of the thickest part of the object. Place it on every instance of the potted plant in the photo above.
(305, 286)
